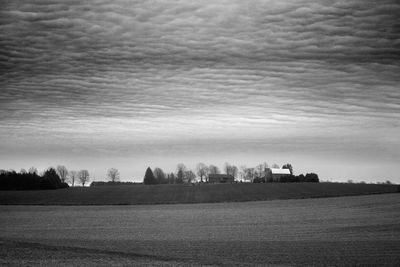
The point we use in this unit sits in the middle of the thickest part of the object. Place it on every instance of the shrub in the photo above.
(311, 178)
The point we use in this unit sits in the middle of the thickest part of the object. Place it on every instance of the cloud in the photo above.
(171, 70)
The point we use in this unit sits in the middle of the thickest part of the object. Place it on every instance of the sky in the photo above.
(130, 84)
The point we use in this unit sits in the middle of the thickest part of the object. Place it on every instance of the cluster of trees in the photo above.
(30, 179)
(73, 176)
(257, 174)
(50, 179)
(182, 175)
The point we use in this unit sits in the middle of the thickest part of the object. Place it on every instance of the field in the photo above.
(356, 230)
(204, 193)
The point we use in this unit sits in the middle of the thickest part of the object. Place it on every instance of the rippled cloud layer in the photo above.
(100, 76)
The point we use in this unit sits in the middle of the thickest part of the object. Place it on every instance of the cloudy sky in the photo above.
(131, 84)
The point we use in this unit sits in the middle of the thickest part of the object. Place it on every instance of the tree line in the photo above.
(182, 174)
(51, 178)
(256, 174)
(60, 176)
(11, 180)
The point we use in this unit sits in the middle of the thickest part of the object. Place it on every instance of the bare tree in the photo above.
(181, 169)
(212, 169)
(83, 176)
(73, 175)
(201, 170)
(113, 175)
(22, 171)
(189, 176)
(62, 172)
(275, 166)
(231, 169)
(227, 168)
(247, 174)
(234, 171)
(250, 174)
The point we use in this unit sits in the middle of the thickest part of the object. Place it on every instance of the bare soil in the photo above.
(342, 231)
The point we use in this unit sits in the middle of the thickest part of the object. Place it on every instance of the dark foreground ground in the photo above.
(358, 230)
(204, 193)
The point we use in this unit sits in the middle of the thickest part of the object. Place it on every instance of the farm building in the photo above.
(275, 174)
(220, 178)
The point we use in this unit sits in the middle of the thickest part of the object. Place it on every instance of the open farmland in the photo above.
(204, 193)
(358, 230)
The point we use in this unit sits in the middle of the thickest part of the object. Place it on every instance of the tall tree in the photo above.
(113, 175)
(52, 178)
(231, 169)
(149, 177)
(180, 177)
(83, 176)
(181, 169)
(62, 172)
(227, 168)
(159, 174)
(212, 169)
(189, 176)
(73, 175)
(201, 170)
